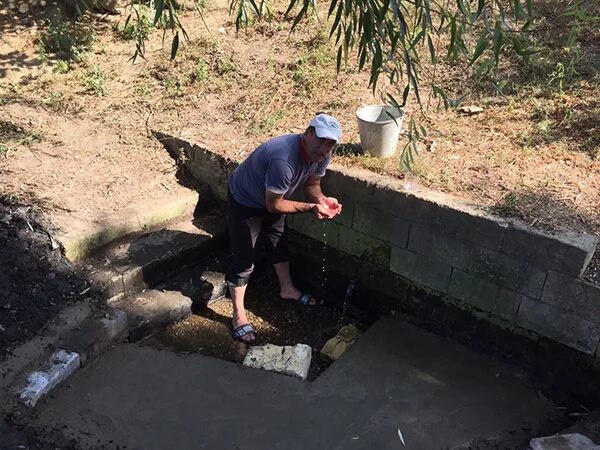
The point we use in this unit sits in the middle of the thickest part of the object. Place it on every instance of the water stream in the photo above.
(323, 275)
(349, 290)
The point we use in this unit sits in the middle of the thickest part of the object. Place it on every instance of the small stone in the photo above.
(288, 360)
(573, 441)
(337, 345)
(51, 276)
(470, 110)
(221, 30)
(23, 8)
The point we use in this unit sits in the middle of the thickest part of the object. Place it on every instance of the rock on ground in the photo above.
(337, 345)
(573, 441)
(288, 360)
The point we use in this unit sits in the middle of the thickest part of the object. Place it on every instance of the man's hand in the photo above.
(321, 211)
(333, 206)
(327, 208)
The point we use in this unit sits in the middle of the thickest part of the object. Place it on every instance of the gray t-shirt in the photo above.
(277, 166)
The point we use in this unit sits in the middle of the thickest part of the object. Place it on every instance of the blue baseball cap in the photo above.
(326, 127)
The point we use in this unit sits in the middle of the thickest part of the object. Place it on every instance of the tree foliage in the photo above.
(390, 38)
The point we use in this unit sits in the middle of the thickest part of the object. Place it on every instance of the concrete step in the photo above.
(176, 297)
(141, 261)
(151, 311)
(83, 238)
(77, 335)
(204, 283)
(436, 392)
(83, 332)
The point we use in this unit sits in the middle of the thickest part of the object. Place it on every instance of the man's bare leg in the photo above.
(287, 290)
(239, 312)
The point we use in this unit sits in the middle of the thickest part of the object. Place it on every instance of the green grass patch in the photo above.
(13, 135)
(68, 41)
(95, 81)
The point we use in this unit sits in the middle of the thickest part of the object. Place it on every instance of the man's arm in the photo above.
(275, 203)
(312, 189)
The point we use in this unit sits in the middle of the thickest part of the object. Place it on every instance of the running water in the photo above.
(349, 290)
(323, 262)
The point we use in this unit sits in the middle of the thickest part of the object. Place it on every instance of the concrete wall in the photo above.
(499, 269)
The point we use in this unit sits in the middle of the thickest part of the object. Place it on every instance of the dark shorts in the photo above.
(245, 225)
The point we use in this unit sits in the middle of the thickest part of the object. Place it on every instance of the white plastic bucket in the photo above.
(379, 128)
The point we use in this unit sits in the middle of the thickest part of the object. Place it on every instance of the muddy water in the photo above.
(276, 321)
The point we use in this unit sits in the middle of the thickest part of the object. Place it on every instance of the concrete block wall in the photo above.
(519, 277)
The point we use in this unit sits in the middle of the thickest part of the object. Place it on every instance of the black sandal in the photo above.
(244, 330)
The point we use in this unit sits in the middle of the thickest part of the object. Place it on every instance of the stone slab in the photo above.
(571, 294)
(137, 262)
(152, 310)
(439, 246)
(58, 368)
(506, 271)
(427, 387)
(288, 360)
(554, 323)
(83, 238)
(574, 441)
(568, 253)
(419, 269)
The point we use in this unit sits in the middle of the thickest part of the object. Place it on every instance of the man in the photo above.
(258, 200)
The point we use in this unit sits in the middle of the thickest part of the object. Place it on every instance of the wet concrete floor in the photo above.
(397, 376)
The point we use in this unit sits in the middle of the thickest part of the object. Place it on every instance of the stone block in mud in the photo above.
(56, 369)
(335, 347)
(288, 360)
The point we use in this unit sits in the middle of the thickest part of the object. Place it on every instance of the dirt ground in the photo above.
(36, 281)
(76, 142)
(77, 138)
